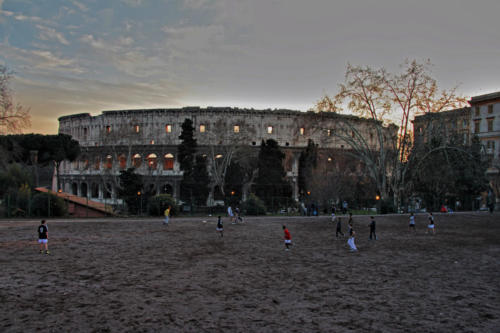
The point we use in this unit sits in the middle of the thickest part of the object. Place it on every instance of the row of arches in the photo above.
(151, 161)
(99, 190)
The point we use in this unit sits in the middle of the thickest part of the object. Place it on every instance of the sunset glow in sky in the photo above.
(73, 56)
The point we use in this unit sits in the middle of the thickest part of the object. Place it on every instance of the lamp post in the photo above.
(140, 202)
(377, 198)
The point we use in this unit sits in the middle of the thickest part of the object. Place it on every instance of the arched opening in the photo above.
(168, 162)
(84, 190)
(167, 189)
(152, 161)
(123, 161)
(137, 160)
(150, 190)
(97, 163)
(74, 188)
(94, 190)
(109, 162)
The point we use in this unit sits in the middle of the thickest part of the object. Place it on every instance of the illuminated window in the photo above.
(329, 132)
(137, 160)
(109, 162)
(236, 128)
(137, 128)
(152, 161)
(329, 159)
(152, 142)
(269, 130)
(218, 156)
(168, 162)
(168, 128)
(108, 129)
(302, 130)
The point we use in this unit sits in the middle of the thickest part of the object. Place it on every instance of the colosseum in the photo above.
(147, 140)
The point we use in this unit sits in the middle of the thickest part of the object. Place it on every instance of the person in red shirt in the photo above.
(288, 238)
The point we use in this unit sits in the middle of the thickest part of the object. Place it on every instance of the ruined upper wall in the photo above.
(212, 126)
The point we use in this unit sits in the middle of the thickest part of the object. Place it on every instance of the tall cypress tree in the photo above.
(201, 180)
(307, 163)
(271, 184)
(186, 152)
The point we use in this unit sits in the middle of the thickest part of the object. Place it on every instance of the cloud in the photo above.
(80, 5)
(47, 33)
(133, 3)
(40, 59)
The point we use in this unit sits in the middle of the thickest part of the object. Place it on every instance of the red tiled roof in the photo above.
(80, 201)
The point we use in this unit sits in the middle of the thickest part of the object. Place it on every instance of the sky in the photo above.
(86, 56)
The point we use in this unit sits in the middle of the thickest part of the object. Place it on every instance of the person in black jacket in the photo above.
(43, 237)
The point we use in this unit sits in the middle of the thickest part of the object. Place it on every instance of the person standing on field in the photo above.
(411, 226)
(43, 237)
(372, 229)
(167, 215)
(288, 238)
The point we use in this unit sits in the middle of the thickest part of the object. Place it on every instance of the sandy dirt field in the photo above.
(141, 276)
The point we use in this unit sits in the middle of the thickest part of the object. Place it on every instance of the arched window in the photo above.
(109, 162)
(168, 162)
(152, 161)
(95, 190)
(74, 188)
(167, 189)
(137, 160)
(123, 161)
(84, 191)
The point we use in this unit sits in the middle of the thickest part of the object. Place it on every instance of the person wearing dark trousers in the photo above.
(372, 229)
(339, 228)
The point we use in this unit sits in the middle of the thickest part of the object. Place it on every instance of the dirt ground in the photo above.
(140, 276)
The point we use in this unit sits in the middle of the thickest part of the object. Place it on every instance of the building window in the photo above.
(269, 130)
(137, 128)
(152, 162)
(490, 108)
(136, 160)
(477, 126)
(168, 162)
(329, 132)
(85, 131)
(203, 128)
(236, 128)
(97, 163)
(329, 159)
(123, 161)
(109, 162)
(490, 124)
(478, 111)
(218, 156)
(152, 142)
(168, 128)
(108, 129)
(302, 130)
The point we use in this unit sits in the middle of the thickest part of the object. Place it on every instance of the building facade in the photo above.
(480, 119)
(147, 140)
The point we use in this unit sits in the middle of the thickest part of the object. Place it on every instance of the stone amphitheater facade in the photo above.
(148, 140)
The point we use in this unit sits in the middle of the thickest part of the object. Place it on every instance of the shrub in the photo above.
(158, 204)
(254, 205)
(40, 205)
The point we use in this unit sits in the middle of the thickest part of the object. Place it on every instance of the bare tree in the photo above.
(386, 98)
(13, 117)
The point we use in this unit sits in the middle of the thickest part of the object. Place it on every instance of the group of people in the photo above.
(43, 231)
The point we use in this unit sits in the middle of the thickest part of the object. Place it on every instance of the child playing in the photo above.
(372, 228)
(350, 241)
(43, 237)
(288, 238)
(339, 229)
(220, 227)
(411, 226)
(430, 226)
(167, 214)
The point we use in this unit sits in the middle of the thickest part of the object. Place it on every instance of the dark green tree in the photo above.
(271, 185)
(130, 189)
(186, 152)
(233, 183)
(307, 163)
(201, 181)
